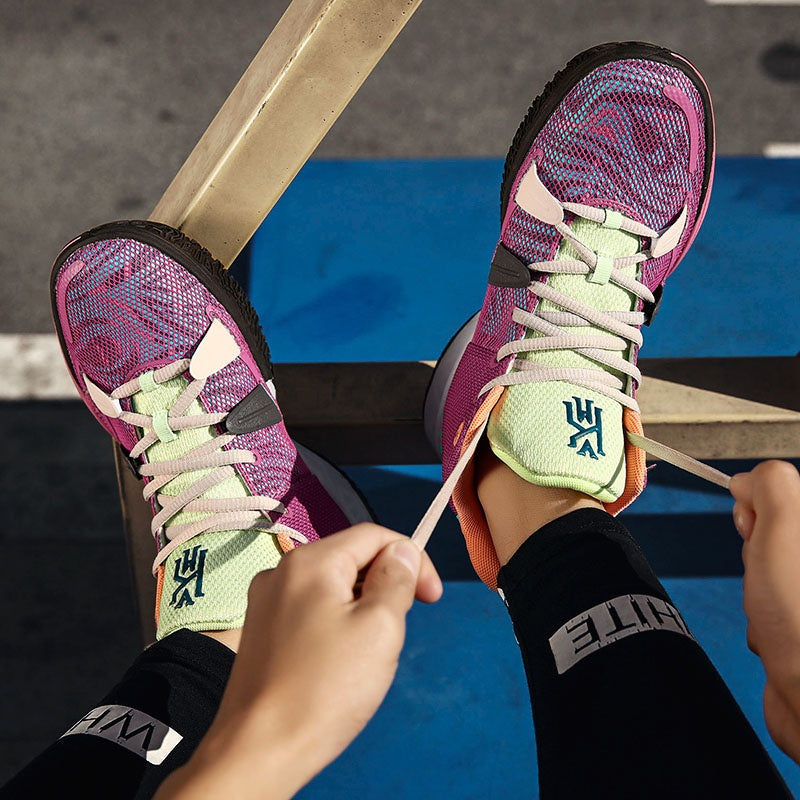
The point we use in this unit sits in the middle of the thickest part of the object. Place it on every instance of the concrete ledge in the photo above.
(711, 408)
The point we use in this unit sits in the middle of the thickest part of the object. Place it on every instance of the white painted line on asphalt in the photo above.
(32, 368)
(782, 150)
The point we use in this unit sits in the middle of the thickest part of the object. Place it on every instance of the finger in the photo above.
(741, 487)
(775, 487)
(744, 519)
(355, 549)
(392, 578)
(751, 641)
(361, 543)
(782, 721)
(429, 584)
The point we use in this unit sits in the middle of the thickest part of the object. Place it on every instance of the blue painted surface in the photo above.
(369, 261)
(365, 261)
(736, 292)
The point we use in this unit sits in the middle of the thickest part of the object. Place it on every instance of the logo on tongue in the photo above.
(585, 411)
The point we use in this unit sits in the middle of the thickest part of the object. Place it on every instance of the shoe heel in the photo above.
(433, 412)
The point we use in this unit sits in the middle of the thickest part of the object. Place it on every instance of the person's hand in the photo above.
(767, 515)
(318, 653)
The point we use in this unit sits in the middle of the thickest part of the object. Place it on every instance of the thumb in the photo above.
(392, 577)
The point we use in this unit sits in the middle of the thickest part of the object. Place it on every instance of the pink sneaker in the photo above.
(168, 355)
(605, 186)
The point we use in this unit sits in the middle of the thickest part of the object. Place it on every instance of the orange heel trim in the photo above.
(636, 469)
(470, 514)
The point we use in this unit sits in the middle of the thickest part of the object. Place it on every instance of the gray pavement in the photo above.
(102, 101)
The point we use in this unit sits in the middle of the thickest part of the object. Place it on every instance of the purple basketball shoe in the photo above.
(168, 355)
(605, 186)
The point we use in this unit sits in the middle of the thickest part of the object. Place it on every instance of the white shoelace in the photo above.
(620, 332)
(223, 514)
(621, 326)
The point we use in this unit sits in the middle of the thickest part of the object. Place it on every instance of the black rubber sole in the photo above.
(575, 71)
(194, 258)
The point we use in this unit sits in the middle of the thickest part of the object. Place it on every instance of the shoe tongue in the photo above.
(205, 582)
(556, 433)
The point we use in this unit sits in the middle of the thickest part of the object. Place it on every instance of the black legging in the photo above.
(625, 702)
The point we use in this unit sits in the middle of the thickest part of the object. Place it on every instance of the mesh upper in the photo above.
(122, 309)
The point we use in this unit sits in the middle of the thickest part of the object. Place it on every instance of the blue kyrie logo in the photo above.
(585, 411)
(188, 577)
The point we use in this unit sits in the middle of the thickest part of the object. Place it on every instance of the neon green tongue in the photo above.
(205, 582)
(555, 433)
